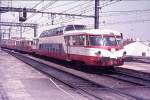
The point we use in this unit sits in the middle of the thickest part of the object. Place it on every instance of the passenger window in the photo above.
(61, 32)
(67, 40)
(69, 28)
(79, 40)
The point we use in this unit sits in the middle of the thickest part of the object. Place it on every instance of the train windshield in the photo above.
(102, 40)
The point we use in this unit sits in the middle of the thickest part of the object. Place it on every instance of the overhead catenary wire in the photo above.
(131, 12)
(113, 2)
(102, 14)
(32, 8)
(61, 5)
(77, 6)
(126, 22)
(74, 7)
(86, 5)
(43, 8)
(102, 5)
(35, 7)
(46, 7)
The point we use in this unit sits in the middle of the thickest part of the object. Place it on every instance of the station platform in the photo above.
(19, 81)
(136, 69)
(141, 67)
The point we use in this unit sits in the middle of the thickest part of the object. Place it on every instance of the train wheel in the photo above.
(110, 69)
(79, 65)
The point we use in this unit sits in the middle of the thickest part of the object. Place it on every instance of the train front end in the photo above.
(105, 49)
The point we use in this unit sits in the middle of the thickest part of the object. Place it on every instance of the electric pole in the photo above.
(96, 18)
(9, 33)
(0, 25)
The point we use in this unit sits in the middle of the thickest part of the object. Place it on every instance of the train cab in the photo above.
(94, 47)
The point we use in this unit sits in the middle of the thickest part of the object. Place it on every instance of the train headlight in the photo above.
(124, 53)
(113, 50)
(98, 53)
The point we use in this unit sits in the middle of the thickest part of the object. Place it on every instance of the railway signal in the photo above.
(23, 16)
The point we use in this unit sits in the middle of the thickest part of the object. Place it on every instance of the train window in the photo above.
(102, 41)
(78, 40)
(75, 27)
(40, 46)
(74, 41)
(59, 31)
(79, 27)
(69, 28)
(43, 34)
(54, 32)
(95, 40)
(109, 41)
(46, 33)
(32, 43)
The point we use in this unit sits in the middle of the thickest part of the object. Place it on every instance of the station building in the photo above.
(137, 48)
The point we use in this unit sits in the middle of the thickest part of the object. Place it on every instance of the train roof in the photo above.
(61, 30)
(92, 31)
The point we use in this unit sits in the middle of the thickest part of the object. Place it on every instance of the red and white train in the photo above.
(94, 47)
(18, 44)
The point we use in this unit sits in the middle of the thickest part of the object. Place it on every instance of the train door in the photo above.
(67, 43)
(35, 45)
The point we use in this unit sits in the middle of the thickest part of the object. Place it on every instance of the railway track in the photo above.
(83, 86)
(128, 78)
(138, 59)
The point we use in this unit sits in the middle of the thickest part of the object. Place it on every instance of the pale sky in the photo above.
(131, 17)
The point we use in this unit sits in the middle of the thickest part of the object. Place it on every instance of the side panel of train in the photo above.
(8, 43)
(57, 47)
(24, 46)
(17, 45)
(51, 47)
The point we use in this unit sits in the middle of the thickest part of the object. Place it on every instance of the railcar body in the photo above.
(18, 44)
(3, 43)
(24, 45)
(8, 43)
(94, 47)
